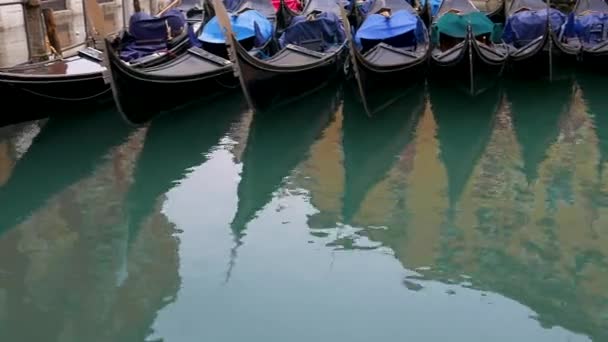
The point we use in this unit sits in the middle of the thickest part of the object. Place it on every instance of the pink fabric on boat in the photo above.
(292, 4)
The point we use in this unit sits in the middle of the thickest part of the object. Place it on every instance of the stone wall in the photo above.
(12, 16)
(70, 29)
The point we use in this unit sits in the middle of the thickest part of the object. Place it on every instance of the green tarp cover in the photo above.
(455, 25)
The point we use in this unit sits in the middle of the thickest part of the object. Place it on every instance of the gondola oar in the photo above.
(168, 7)
(353, 59)
(224, 21)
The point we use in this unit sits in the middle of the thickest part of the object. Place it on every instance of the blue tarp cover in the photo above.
(525, 26)
(143, 26)
(378, 27)
(326, 26)
(148, 34)
(250, 23)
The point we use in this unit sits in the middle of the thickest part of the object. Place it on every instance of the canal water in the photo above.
(438, 218)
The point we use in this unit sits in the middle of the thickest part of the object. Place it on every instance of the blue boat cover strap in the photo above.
(378, 27)
(325, 27)
(526, 26)
(247, 24)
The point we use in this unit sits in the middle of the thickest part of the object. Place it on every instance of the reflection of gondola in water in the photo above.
(67, 149)
(372, 144)
(536, 110)
(464, 128)
(172, 146)
(278, 141)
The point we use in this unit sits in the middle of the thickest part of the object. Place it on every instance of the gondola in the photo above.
(390, 48)
(56, 84)
(311, 55)
(76, 81)
(465, 43)
(202, 71)
(529, 35)
(587, 26)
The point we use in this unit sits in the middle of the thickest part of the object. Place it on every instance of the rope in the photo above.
(67, 98)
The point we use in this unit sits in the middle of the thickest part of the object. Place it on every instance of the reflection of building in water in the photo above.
(537, 244)
(12, 16)
(567, 211)
(492, 204)
(322, 175)
(410, 202)
(66, 269)
(537, 240)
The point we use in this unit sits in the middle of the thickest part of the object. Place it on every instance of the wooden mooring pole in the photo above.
(51, 31)
(34, 30)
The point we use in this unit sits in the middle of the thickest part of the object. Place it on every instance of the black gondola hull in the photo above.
(52, 88)
(141, 96)
(269, 86)
(52, 93)
(594, 61)
(469, 68)
(380, 87)
(544, 60)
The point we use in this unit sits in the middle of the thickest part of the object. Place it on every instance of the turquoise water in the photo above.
(439, 218)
